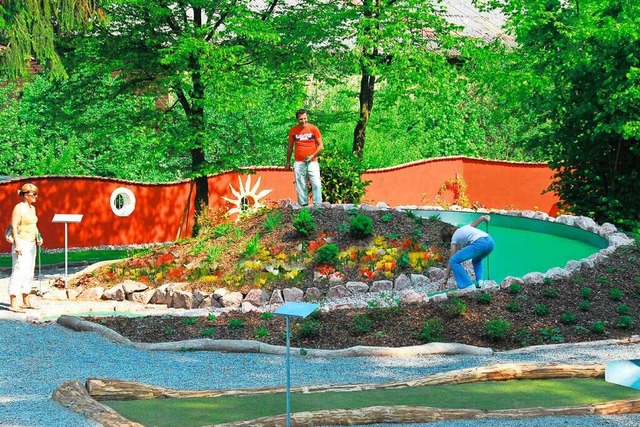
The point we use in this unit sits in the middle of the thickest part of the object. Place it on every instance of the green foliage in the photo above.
(327, 254)
(252, 246)
(361, 325)
(260, 331)
(211, 317)
(568, 318)
(304, 223)
(585, 293)
(550, 292)
(386, 217)
(208, 332)
(541, 309)
(273, 219)
(515, 288)
(266, 315)
(598, 327)
(584, 305)
(361, 226)
(236, 323)
(616, 294)
(455, 306)
(551, 334)
(497, 329)
(513, 306)
(432, 330)
(623, 309)
(187, 321)
(169, 330)
(625, 322)
(484, 298)
(310, 328)
(341, 177)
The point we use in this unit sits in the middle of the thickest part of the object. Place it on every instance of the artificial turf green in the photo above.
(90, 256)
(193, 412)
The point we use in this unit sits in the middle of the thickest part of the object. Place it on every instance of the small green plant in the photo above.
(603, 280)
(169, 330)
(580, 330)
(616, 294)
(310, 328)
(343, 227)
(523, 336)
(455, 306)
(211, 317)
(236, 323)
(547, 281)
(222, 230)
(272, 221)
(327, 254)
(208, 332)
(432, 330)
(386, 217)
(513, 306)
(515, 288)
(551, 334)
(484, 298)
(541, 309)
(260, 331)
(187, 321)
(584, 305)
(361, 325)
(623, 309)
(252, 246)
(598, 327)
(585, 293)
(266, 315)
(353, 212)
(550, 292)
(434, 218)
(568, 318)
(497, 329)
(361, 226)
(304, 223)
(625, 322)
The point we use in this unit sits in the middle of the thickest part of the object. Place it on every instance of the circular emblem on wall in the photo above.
(123, 201)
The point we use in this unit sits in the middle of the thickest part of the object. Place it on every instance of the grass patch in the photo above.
(89, 256)
(195, 412)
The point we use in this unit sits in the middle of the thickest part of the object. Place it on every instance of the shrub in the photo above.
(551, 334)
(598, 327)
(208, 332)
(497, 329)
(211, 317)
(361, 325)
(386, 217)
(361, 226)
(455, 306)
(310, 328)
(584, 306)
(585, 293)
(484, 298)
(260, 331)
(513, 306)
(568, 318)
(623, 309)
(327, 254)
(625, 322)
(266, 315)
(550, 292)
(515, 288)
(541, 309)
(304, 223)
(236, 323)
(432, 330)
(273, 219)
(615, 294)
(187, 321)
(341, 177)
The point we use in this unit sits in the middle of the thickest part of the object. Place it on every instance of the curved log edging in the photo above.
(252, 346)
(86, 399)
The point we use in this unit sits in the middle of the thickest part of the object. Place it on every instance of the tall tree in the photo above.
(28, 29)
(583, 79)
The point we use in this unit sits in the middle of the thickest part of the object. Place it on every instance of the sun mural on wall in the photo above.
(246, 197)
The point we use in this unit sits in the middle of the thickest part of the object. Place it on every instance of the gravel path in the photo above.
(37, 358)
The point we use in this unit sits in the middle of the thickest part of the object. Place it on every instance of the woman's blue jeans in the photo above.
(476, 252)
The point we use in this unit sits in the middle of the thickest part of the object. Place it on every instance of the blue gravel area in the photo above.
(35, 359)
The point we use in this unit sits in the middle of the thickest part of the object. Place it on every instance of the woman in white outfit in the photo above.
(26, 238)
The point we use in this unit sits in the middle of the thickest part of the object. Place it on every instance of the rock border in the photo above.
(416, 288)
(85, 399)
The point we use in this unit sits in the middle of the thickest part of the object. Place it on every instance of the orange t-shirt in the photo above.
(305, 139)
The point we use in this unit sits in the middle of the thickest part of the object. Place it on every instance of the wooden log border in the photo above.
(86, 399)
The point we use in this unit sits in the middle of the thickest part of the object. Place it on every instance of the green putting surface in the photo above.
(525, 245)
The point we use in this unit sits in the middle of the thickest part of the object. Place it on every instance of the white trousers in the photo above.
(22, 268)
(305, 173)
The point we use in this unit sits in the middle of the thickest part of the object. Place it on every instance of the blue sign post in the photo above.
(299, 310)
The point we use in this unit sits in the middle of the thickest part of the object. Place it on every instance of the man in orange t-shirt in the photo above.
(305, 143)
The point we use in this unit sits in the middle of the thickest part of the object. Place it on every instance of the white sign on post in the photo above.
(66, 219)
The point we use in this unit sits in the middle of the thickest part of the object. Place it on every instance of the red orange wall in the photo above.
(160, 207)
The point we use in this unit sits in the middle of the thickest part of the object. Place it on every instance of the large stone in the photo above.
(337, 292)
(257, 297)
(232, 299)
(183, 299)
(162, 295)
(276, 297)
(357, 288)
(91, 294)
(436, 274)
(509, 280)
(141, 297)
(381, 286)
(419, 280)
(313, 294)
(209, 302)
(411, 297)
(535, 278)
(115, 293)
(247, 307)
(402, 282)
(292, 294)
(131, 286)
(555, 273)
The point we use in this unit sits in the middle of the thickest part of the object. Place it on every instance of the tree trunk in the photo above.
(367, 90)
